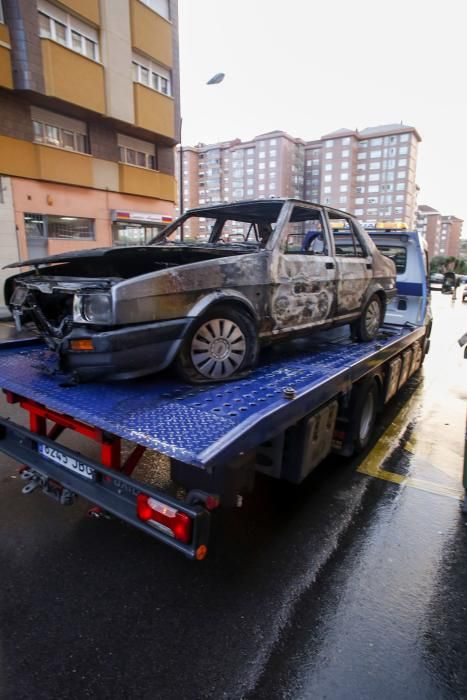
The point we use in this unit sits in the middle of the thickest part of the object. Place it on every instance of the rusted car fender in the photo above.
(230, 296)
(376, 288)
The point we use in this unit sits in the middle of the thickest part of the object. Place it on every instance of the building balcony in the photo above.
(6, 76)
(151, 33)
(72, 77)
(58, 165)
(154, 111)
(87, 9)
(32, 160)
(149, 183)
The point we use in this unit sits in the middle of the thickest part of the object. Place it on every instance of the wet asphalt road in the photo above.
(353, 585)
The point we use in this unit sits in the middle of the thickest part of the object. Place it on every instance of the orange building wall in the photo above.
(64, 200)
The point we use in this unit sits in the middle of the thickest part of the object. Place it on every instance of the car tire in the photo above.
(363, 411)
(366, 327)
(221, 344)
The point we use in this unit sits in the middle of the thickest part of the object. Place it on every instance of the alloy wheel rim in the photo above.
(218, 348)
(372, 317)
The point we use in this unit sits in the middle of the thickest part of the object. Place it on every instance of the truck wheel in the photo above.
(363, 411)
(221, 344)
(366, 327)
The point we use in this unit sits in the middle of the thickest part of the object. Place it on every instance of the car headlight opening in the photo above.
(97, 308)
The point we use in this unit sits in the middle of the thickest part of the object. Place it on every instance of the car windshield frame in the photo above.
(259, 214)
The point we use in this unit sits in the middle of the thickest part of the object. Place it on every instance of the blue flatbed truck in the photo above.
(306, 399)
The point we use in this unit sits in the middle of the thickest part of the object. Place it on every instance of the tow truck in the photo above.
(307, 398)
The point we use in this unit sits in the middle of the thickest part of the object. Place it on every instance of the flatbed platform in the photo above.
(207, 425)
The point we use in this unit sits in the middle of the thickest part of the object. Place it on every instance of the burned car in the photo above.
(206, 292)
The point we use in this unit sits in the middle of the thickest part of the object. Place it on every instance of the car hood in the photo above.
(76, 254)
(132, 252)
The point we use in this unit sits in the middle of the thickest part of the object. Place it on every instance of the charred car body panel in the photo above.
(136, 307)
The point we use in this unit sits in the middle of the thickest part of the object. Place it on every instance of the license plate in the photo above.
(70, 463)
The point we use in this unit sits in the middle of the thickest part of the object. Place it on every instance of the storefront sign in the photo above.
(141, 217)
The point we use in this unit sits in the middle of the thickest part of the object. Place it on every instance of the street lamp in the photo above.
(215, 80)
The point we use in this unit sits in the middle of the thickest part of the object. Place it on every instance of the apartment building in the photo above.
(270, 165)
(442, 232)
(370, 173)
(89, 116)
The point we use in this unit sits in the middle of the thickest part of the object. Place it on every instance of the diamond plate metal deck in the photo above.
(204, 425)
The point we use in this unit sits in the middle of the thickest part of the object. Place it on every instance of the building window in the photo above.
(151, 74)
(343, 188)
(327, 178)
(376, 142)
(2, 18)
(375, 166)
(344, 176)
(162, 7)
(374, 177)
(327, 190)
(345, 153)
(329, 143)
(136, 152)
(48, 226)
(404, 137)
(65, 29)
(403, 150)
(345, 141)
(375, 154)
(328, 155)
(56, 130)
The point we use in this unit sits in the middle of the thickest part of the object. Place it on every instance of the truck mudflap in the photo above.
(64, 474)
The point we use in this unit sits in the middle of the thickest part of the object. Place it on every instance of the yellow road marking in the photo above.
(371, 465)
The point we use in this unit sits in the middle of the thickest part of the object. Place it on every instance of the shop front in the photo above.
(136, 227)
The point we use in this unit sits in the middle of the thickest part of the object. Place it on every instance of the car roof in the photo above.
(256, 209)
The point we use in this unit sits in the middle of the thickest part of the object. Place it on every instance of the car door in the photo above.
(353, 263)
(303, 284)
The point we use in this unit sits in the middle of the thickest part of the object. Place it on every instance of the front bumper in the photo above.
(124, 353)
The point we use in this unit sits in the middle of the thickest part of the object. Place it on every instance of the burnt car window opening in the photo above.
(305, 233)
(199, 230)
(225, 223)
(346, 238)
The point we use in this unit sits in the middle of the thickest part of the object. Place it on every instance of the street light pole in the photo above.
(215, 80)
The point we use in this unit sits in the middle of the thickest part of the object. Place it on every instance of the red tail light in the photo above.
(164, 517)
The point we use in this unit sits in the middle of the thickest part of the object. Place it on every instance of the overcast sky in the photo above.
(309, 67)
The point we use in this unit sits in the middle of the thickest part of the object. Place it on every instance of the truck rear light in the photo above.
(164, 517)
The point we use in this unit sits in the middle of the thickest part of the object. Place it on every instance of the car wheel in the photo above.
(367, 326)
(364, 409)
(221, 344)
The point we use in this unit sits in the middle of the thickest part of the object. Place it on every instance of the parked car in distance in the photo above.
(436, 281)
(464, 293)
(206, 292)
